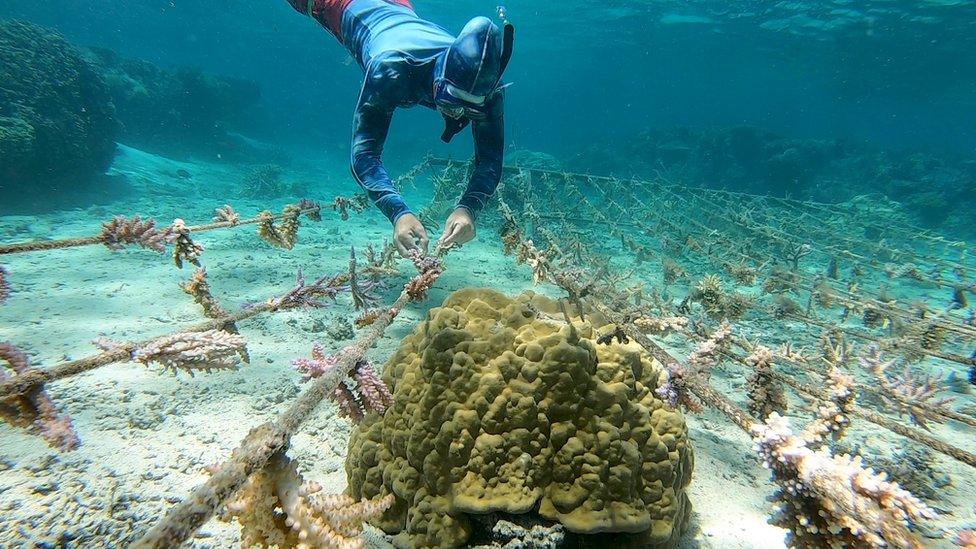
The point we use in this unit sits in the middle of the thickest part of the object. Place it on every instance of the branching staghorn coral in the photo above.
(184, 249)
(226, 214)
(310, 295)
(899, 392)
(676, 390)
(833, 501)
(765, 394)
(188, 351)
(307, 518)
(199, 288)
(120, 232)
(310, 209)
(362, 298)
(373, 394)
(280, 236)
(34, 410)
(429, 269)
(380, 263)
(833, 413)
(358, 203)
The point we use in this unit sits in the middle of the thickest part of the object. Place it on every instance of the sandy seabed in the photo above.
(147, 434)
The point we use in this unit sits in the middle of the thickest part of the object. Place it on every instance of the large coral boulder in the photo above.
(57, 122)
(501, 407)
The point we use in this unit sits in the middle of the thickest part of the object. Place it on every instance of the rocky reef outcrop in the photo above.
(57, 120)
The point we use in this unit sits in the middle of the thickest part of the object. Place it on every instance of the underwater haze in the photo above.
(721, 297)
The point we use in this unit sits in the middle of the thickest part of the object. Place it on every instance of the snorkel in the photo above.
(469, 73)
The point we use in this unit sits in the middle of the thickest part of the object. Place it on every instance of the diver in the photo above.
(409, 61)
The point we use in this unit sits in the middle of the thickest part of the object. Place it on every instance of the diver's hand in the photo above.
(458, 229)
(409, 234)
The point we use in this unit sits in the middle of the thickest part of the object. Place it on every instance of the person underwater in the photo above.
(410, 61)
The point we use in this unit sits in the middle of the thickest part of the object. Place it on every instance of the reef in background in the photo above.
(181, 111)
(57, 120)
(936, 189)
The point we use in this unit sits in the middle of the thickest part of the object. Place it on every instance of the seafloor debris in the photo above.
(34, 411)
(307, 517)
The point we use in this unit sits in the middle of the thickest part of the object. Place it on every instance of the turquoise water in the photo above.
(814, 160)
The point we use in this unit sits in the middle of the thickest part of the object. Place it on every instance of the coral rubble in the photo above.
(34, 410)
(497, 408)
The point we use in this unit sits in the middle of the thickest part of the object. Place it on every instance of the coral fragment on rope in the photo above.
(120, 232)
(833, 501)
(307, 517)
(194, 351)
(34, 410)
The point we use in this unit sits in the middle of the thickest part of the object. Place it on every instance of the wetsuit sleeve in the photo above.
(370, 127)
(489, 147)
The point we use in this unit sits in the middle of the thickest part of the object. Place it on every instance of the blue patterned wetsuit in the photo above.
(398, 52)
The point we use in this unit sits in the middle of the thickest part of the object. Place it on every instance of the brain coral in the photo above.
(56, 117)
(501, 407)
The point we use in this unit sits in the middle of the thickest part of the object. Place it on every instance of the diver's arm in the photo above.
(370, 127)
(489, 148)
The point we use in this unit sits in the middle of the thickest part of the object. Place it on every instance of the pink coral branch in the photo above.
(373, 394)
(35, 409)
(119, 232)
(376, 395)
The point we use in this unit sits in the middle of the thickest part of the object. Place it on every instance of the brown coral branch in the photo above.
(34, 410)
(199, 288)
(765, 394)
(184, 248)
(227, 214)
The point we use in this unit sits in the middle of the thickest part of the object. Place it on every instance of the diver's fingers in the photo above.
(404, 244)
(450, 233)
(422, 236)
